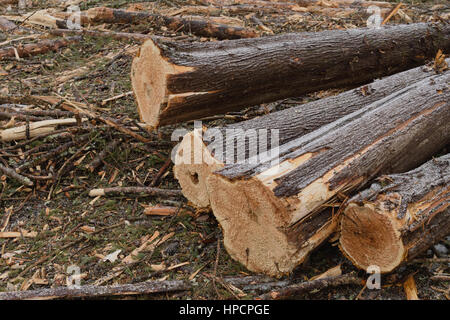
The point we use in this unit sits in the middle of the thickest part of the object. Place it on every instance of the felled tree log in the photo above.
(304, 3)
(148, 287)
(291, 123)
(345, 12)
(398, 217)
(272, 212)
(175, 82)
(200, 27)
(40, 47)
(343, 3)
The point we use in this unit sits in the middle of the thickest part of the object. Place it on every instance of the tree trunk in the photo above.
(291, 123)
(398, 217)
(343, 3)
(40, 47)
(198, 26)
(304, 3)
(148, 287)
(175, 82)
(272, 212)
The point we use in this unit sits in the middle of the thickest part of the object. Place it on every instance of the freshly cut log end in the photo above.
(250, 233)
(398, 217)
(149, 73)
(373, 240)
(192, 175)
(255, 226)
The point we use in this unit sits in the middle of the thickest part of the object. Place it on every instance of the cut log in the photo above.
(343, 3)
(398, 217)
(148, 287)
(304, 3)
(291, 123)
(40, 47)
(175, 82)
(272, 212)
(200, 27)
(91, 33)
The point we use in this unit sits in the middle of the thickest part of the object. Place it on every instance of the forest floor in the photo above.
(67, 227)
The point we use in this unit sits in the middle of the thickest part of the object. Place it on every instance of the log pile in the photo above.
(275, 210)
(291, 123)
(273, 215)
(368, 166)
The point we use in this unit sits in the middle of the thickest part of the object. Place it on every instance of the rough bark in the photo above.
(40, 47)
(304, 3)
(290, 123)
(200, 27)
(148, 287)
(342, 3)
(134, 190)
(175, 82)
(398, 217)
(272, 212)
(282, 9)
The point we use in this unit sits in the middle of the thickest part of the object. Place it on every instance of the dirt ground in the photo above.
(71, 228)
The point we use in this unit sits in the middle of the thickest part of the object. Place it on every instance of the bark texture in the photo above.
(272, 212)
(290, 123)
(175, 82)
(148, 287)
(398, 217)
(40, 47)
(198, 26)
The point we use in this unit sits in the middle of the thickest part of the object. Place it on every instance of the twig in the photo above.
(53, 153)
(94, 164)
(14, 175)
(116, 97)
(392, 13)
(135, 190)
(161, 172)
(216, 263)
(440, 278)
(304, 287)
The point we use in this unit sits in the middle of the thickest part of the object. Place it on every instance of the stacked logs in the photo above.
(277, 202)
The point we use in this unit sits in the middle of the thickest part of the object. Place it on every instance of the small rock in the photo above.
(441, 249)
(171, 248)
